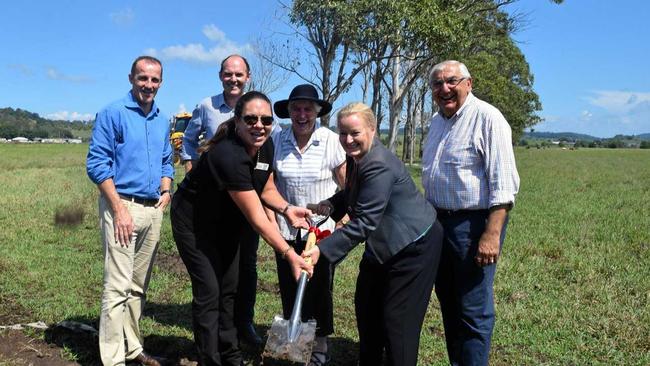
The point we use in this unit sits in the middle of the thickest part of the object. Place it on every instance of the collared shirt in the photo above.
(307, 177)
(468, 161)
(131, 148)
(206, 118)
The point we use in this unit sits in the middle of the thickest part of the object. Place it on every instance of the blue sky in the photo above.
(67, 59)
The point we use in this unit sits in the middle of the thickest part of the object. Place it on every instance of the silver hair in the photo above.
(464, 72)
(317, 107)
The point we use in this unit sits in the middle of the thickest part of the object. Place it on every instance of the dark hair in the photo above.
(248, 67)
(226, 127)
(149, 59)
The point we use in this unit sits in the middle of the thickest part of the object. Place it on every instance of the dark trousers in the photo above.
(211, 256)
(391, 300)
(317, 301)
(465, 290)
(247, 289)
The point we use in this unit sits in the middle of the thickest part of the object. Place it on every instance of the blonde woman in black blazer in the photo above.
(402, 236)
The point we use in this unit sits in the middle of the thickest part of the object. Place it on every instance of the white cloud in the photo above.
(69, 116)
(213, 33)
(196, 52)
(586, 115)
(123, 17)
(618, 102)
(181, 108)
(21, 68)
(54, 74)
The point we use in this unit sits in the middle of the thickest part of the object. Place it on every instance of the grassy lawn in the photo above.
(572, 285)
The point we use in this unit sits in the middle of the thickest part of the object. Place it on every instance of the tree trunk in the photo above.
(395, 105)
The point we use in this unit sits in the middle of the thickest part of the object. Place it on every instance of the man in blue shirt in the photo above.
(130, 160)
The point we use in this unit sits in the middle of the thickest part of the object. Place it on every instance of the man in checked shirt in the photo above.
(470, 177)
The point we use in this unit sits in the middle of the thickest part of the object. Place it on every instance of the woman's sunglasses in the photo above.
(252, 119)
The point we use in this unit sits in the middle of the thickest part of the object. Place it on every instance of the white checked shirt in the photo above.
(306, 177)
(468, 161)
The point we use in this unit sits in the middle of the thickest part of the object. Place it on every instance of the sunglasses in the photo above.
(252, 119)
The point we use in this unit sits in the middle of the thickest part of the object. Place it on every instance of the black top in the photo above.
(227, 167)
(386, 209)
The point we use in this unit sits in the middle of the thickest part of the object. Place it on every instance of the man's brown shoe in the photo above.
(148, 360)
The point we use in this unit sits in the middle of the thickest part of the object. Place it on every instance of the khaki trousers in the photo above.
(127, 271)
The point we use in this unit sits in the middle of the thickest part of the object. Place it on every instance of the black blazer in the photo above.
(386, 209)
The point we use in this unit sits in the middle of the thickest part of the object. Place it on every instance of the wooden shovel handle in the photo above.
(311, 241)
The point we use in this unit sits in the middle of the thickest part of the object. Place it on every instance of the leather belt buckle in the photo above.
(138, 200)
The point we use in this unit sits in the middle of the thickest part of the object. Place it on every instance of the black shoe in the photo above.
(247, 334)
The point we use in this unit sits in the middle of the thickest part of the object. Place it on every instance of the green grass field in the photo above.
(572, 288)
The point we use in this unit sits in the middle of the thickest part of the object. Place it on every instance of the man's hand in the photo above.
(488, 249)
(490, 243)
(123, 225)
(164, 200)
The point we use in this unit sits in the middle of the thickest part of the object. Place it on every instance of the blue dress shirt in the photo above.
(206, 118)
(131, 148)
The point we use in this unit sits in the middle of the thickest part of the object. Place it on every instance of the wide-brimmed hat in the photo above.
(301, 92)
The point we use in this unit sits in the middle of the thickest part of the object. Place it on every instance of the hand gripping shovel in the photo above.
(292, 340)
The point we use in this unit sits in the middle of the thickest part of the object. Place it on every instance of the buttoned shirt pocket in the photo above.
(461, 156)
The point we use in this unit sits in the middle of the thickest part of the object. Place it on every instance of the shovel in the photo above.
(291, 339)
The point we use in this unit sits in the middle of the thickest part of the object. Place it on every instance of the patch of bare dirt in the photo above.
(171, 263)
(18, 349)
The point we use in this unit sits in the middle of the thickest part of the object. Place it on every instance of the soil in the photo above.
(35, 347)
(16, 348)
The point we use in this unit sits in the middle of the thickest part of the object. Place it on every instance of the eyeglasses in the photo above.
(252, 119)
(452, 82)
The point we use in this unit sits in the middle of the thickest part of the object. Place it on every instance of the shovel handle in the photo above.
(311, 241)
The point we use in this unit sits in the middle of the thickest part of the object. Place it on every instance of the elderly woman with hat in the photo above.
(309, 167)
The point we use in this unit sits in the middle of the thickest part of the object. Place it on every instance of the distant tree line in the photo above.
(618, 142)
(18, 122)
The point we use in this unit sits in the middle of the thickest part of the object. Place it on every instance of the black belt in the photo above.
(445, 214)
(138, 200)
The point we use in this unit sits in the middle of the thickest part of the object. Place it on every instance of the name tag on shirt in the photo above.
(262, 166)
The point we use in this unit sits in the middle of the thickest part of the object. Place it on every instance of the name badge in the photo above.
(262, 166)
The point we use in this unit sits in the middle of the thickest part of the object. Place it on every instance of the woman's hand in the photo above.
(314, 253)
(342, 222)
(323, 208)
(297, 216)
(298, 264)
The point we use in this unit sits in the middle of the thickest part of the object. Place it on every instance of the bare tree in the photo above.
(265, 76)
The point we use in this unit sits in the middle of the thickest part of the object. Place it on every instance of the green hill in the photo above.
(19, 122)
(569, 136)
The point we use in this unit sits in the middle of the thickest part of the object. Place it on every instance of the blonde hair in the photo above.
(362, 110)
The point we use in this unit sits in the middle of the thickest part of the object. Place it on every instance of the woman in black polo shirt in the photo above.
(228, 188)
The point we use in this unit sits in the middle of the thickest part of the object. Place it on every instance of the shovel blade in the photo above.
(280, 347)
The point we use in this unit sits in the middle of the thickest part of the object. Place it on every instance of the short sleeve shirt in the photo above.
(227, 167)
(308, 176)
